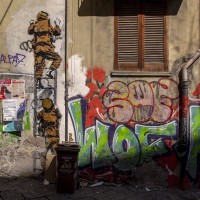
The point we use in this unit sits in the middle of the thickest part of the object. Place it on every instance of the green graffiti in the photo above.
(91, 153)
(152, 146)
(126, 148)
(194, 141)
(76, 114)
(86, 155)
(103, 155)
(27, 122)
(1, 128)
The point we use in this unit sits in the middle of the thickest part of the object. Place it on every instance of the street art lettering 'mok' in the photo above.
(126, 147)
(121, 146)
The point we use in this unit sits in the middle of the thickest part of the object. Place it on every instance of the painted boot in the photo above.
(39, 84)
(49, 73)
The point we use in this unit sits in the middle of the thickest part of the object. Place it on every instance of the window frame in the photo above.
(141, 65)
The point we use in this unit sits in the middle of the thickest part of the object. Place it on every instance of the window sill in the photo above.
(139, 74)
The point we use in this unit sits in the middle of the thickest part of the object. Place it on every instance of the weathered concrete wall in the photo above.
(183, 30)
(93, 37)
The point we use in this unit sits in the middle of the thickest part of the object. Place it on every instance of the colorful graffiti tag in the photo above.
(122, 145)
(194, 150)
(95, 82)
(140, 101)
(131, 123)
(15, 60)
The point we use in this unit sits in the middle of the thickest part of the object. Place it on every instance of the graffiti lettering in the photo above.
(109, 126)
(95, 82)
(126, 147)
(140, 101)
(196, 93)
(12, 59)
(26, 46)
(194, 150)
(121, 146)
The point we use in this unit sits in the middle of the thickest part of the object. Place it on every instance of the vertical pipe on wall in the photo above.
(184, 131)
(184, 134)
(184, 86)
(6, 12)
(91, 37)
(66, 81)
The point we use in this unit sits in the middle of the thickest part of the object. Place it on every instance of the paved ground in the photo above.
(34, 188)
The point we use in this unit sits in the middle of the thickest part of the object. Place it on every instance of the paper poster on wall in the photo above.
(18, 88)
(1, 114)
(9, 110)
(13, 121)
(5, 89)
(12, 97)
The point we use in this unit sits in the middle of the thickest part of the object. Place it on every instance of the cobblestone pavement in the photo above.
(33, 188)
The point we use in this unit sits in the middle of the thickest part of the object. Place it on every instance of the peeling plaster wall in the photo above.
(183, 30)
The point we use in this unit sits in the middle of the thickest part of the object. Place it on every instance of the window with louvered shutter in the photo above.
(140, 35)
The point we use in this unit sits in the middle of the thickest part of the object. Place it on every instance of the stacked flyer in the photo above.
(12, 97)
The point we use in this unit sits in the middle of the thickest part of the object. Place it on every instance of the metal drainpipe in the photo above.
(66, 80)
(184, 131)
(184, 85)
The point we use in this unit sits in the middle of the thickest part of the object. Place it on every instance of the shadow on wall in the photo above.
(105, 7)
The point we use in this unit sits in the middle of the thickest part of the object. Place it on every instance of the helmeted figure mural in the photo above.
(49, 118)
(43, 46)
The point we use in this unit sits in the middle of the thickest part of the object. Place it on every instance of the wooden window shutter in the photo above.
(126, 35)
(140, 35)
(154, 35)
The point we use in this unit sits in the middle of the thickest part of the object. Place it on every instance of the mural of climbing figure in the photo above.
(49, 119)
(43, 47)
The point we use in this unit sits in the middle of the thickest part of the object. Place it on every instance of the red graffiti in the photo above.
(185, 183)
(99, 75)
(94, 110)
(173, 180)
(140, 101)
(93, 90)
(185, 106)
(89, 75)
(106, 174)
(170, 161)
(95, 82)
(2, 92)
(102, 91)
(196, 93)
